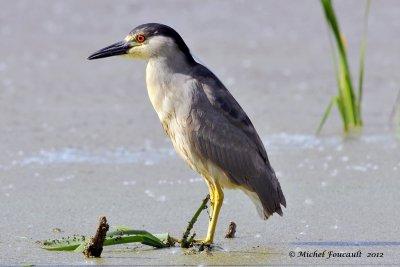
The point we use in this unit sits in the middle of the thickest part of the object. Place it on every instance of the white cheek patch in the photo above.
(159, 45)
(140, 51)
(154, 46)
(160, 40)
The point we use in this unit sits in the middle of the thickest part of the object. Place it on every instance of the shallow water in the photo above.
(79, 139)
(150, 156)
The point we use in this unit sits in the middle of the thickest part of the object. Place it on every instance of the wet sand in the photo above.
(80, 139)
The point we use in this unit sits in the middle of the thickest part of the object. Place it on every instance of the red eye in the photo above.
(140, 38)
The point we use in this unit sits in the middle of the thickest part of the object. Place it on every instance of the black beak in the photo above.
(116, 49)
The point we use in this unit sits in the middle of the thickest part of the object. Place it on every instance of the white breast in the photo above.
(171, 100)
(157, 88)
(171, 94)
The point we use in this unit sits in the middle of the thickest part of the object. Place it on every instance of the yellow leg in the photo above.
(211, 191)
(216, 200)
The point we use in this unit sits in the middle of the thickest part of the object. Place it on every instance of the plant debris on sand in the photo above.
(230, 233)
(95, 246)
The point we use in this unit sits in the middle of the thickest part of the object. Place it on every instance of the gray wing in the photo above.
(224, 102)
(224, 134)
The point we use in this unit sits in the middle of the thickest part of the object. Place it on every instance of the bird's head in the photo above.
(147, 41)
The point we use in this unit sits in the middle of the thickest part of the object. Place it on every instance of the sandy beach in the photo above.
(80, 139)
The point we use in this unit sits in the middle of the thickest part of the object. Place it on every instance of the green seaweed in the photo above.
(121, 235)
(124, 234)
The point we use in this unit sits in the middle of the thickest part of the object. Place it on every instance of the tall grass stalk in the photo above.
(347, 101)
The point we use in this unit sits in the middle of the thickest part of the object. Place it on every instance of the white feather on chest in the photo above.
(171, 100)
(166, 89)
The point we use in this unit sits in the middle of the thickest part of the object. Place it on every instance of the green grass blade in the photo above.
(164, 238)
(345, 86)
(341, 108)
(81, 247)
(118, 236)
(326, 114)
(334, 57)
(146, 239)
(332, 22)
(362, 60)
(64, 244)
(348, 103)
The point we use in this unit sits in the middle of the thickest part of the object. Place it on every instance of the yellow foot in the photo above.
(205, 241)
(206, 245)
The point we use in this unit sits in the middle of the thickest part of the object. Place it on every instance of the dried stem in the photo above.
(185, 243)
(230, 233)
(95, 246)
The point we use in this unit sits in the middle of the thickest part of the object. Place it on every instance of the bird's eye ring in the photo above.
(140, 38)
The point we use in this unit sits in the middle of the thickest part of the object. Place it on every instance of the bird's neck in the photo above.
(162, 74)
(161, 70)
(176, 62)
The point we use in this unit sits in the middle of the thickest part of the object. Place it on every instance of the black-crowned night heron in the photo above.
(208, 128)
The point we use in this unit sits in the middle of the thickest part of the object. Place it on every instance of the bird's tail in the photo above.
(267, 195)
